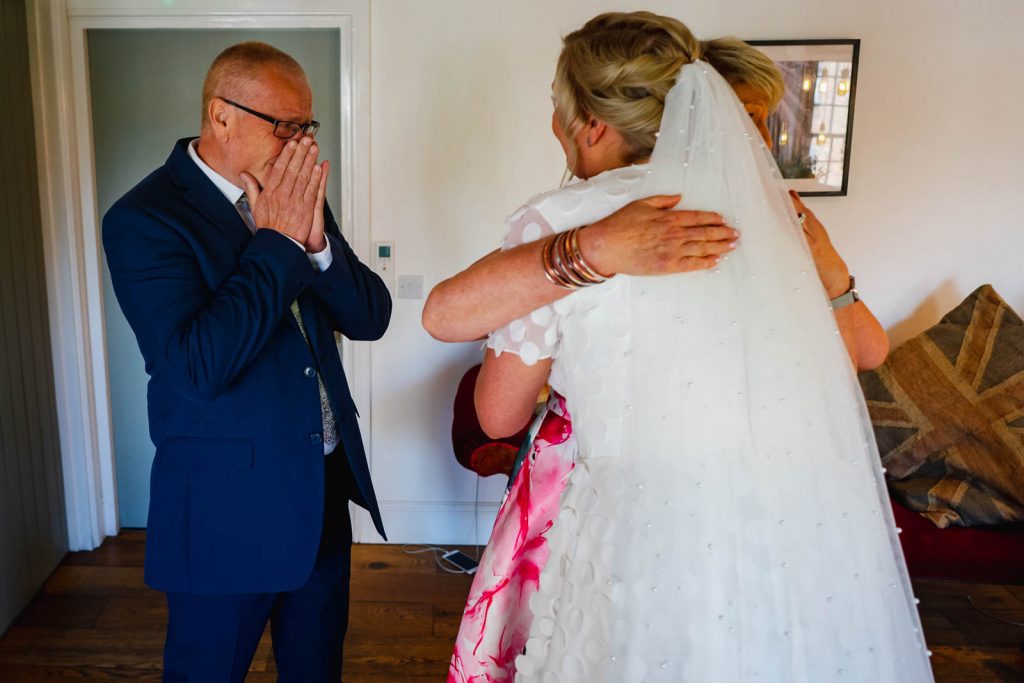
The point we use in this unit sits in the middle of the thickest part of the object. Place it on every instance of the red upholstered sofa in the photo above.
(974, 554)
(986, 554)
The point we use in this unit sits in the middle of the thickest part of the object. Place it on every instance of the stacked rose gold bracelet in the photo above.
(564, 264)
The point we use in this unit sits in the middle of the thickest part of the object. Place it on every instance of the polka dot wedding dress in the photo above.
(727, 518)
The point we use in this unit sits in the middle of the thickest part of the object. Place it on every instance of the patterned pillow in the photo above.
(948, 412)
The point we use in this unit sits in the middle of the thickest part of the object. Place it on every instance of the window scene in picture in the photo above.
(812, 126)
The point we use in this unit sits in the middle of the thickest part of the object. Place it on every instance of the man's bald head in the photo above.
(247, 86)
(237, 71)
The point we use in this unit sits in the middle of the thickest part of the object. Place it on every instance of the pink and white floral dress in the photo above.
(497, 618)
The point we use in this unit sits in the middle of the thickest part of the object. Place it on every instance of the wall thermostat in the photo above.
(384, 263)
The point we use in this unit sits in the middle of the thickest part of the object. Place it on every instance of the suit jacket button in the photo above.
(316, 438)
(309, 371)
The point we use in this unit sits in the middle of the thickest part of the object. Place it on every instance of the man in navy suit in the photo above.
(234, 278)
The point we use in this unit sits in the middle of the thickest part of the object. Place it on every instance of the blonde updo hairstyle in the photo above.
(618, 68)
(743, 64)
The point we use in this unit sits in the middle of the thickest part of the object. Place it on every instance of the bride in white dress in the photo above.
(727, 518)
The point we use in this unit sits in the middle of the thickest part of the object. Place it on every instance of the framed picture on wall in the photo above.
(812, 128)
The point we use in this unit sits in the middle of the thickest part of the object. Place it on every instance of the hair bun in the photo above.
(619, 67)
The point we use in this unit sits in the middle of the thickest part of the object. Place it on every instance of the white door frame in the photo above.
(67, 187)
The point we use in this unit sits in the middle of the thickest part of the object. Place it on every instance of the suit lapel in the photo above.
(205, 198)
(219, 211)
(309, 319)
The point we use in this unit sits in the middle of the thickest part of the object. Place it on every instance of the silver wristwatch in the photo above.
(848, 297)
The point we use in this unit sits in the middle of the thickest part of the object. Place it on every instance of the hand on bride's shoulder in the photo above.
(648, 237)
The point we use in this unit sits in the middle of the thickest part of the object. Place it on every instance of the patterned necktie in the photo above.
(330, 436)
(245, 211)
(330, 426)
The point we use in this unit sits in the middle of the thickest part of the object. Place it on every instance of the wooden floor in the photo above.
(95, 620)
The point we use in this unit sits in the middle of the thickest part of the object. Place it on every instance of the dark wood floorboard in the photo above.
(95, 620)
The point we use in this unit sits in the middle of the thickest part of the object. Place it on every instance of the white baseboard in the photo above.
(423, 522)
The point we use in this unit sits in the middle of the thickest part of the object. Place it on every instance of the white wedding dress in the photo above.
(727, 518)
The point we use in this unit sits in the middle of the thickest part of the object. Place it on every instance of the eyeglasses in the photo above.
(282, 129)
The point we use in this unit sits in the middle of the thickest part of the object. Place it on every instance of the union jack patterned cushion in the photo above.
(948, 412)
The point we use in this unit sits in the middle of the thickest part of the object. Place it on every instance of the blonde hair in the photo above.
(236, 69)
(743, 64)
(618, 68)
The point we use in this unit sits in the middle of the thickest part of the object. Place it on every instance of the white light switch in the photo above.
(410, 286)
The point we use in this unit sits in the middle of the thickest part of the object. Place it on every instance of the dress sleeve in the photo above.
(535, 336)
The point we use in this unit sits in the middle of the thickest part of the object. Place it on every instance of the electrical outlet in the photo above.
(410, 286)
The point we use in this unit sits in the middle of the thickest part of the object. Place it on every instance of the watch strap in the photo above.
(848, 297)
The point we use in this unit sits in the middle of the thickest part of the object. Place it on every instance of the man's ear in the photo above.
(219, 118)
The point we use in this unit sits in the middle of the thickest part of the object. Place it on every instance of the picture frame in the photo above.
(812, 128)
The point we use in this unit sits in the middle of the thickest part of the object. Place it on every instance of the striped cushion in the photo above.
(948, 412)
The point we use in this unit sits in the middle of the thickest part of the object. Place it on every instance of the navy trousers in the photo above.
(212, 638)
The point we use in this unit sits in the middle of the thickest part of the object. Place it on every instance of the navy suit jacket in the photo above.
(237, 485)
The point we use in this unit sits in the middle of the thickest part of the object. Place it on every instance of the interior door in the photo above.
(146, 92)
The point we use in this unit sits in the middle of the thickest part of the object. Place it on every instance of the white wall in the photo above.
(460, 137)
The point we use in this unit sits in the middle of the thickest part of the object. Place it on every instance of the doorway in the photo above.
(145, 89)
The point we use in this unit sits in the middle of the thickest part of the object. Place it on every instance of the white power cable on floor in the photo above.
(442, 555)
